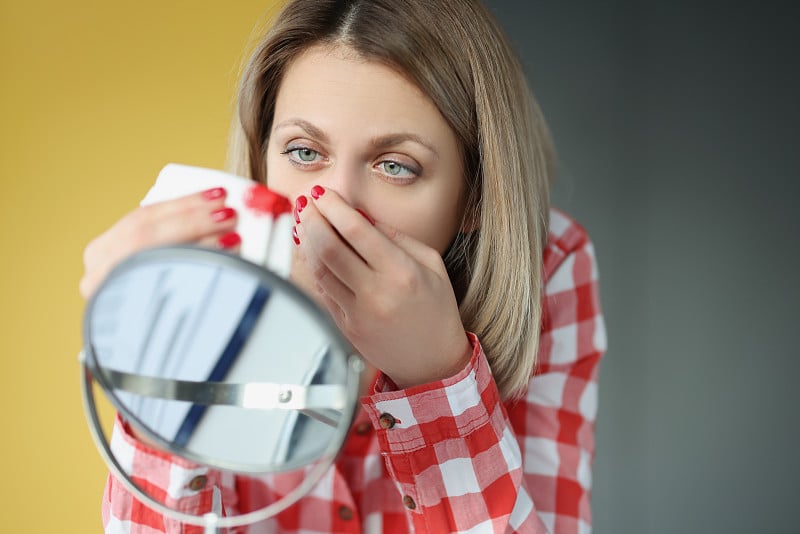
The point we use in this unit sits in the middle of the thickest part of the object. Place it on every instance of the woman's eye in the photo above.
(301, 154)
(305, 154)
(392, 168)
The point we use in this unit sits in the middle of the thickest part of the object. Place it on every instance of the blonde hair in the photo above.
(456, 54)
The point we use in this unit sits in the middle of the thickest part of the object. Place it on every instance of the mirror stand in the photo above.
(211, 522)
(222, 363)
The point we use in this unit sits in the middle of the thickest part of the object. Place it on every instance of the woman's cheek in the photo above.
(430, 230)
(278, 177)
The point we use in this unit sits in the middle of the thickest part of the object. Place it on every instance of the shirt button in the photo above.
(345, 513)
(409, 503)
(198, 483)
(363, 429)
(386, 420)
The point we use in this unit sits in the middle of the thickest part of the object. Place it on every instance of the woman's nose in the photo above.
(347, 179)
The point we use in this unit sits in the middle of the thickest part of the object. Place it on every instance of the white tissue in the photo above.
(266, 237)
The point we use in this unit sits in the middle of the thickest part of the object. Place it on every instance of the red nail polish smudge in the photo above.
(266, 202)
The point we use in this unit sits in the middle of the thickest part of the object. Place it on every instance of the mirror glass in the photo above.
(219, 361)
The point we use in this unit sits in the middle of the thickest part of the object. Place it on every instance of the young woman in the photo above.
(420, 165)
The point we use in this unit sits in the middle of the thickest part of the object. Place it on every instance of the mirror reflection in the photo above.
(219, 364)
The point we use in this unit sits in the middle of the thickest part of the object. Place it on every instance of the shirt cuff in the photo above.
(410, 419)
(179, 481)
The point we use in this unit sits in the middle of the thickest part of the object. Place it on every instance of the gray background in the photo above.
(676, 123)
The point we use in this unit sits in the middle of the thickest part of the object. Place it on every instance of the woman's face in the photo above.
(361, 129)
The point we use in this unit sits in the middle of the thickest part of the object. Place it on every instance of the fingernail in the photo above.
(367, 217)
(300, 203)
(223, 214)
(214, 193)
(229, 240)
(296, 215)
(294, 235)
(317, 191)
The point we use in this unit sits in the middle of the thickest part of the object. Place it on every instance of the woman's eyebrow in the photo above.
(390, 140)
(380, 142)
(306, 126)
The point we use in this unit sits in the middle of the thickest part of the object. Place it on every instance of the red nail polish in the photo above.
(214, 193)
(367, 217)
(300, 203)
(223, 214)
(229, 240)
(294, 235)
(317, 191)
(296, 215)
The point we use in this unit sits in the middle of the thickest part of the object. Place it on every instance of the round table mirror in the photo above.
(213, 359)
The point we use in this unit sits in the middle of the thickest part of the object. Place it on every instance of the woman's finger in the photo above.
(192, 219)
(227, 241)
(418, 250)
(358, 230)
(333, 288)
(187, 219)
(326, 253)
(332, 305)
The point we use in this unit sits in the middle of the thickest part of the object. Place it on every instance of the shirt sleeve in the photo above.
(453, 455)
(462, 460)
(555, 421)
(176, 482)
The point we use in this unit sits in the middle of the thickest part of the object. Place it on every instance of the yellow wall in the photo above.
(95, 97)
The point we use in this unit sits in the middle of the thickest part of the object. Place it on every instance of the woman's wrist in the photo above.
(451, 364)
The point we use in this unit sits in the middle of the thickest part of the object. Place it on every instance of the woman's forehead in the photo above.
(332, 86)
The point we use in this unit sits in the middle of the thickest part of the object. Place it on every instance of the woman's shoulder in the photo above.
(573, 329)
(566, 236)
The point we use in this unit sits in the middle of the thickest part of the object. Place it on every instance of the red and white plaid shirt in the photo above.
(457, 459)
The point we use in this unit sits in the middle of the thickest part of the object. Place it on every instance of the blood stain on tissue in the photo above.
(264, 201)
